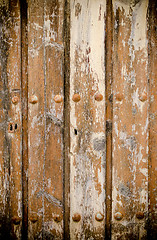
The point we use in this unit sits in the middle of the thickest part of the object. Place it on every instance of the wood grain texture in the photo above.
(87, 119)
(11, 160)
(36, 118)
(130, 120)
(152, 23)
(54, 103)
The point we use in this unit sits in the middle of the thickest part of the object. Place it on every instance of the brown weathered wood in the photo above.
(87, 120)
(11, 125)
(54, 103)
(152, 119)
(24, 100)
(109, 117)
(36, 117)
(130, 121)
(66, 119)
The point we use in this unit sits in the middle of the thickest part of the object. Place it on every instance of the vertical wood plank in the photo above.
(66, 119)
(130, 120)
(11, 139)
(24, 100)
(109, 111)
(54, 100)
(153, 119)
(36, 117)
(87, 120)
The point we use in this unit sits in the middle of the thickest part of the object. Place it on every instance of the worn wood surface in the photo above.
(87, 120)
(10, 160)
(130, 120)
(54, 102)
(78, 119)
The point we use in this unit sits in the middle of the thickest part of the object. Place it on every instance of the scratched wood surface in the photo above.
(130, 121)
(10, 159)
(36, 118)
(78, 122)
(87, 120)
(152, 185)
(54, 102)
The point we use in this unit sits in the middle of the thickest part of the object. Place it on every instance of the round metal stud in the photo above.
(57, 218)
(98, 97)
(15, 100)
(76, 217)
(58, 99)
(16, 220)
(119, 97)
(99, 217)
(140, 215)
(143, 97)
(76, 97)
(34, 218)
(33, 99)
(118, 216)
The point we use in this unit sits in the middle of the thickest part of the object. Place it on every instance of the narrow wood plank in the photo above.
(130, 121)
(12, 110)
(36, 117)
(4, 141)
(24, 100)
(153, 119)
(54, 100)
(109, 112)
(87, 120)
(66, 119)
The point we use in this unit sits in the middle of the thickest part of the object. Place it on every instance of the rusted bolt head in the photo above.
(119, 96)
(98, 97)
(34, 218)
(57, 218)
(33, 99)
(16, 220)
(76, 217)
(140, 215)
(15, 100)
(118, 216)
(76, 97)
(143, 97)
(99, 216)
(58, 98)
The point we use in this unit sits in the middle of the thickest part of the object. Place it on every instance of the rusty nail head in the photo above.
(76, 217)
(99, 217)
(76, 97)
(98, 97)
(119, 96)
(143, 97)
(118, 216)
(58, 98)
(140, 215)
(34, 218)
(16, 220)
(15, 100)
(33, 99)
(57, 218)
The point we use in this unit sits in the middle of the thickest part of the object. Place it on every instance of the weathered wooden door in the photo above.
(78, 119)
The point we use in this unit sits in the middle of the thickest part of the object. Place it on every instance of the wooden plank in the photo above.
(4, 153)
(87, 120)
(153, 119)
(36, 117)
(12, 124)
(130, 121)
(54, 101)
(109, 111)
(24, 87)
(66, 120)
